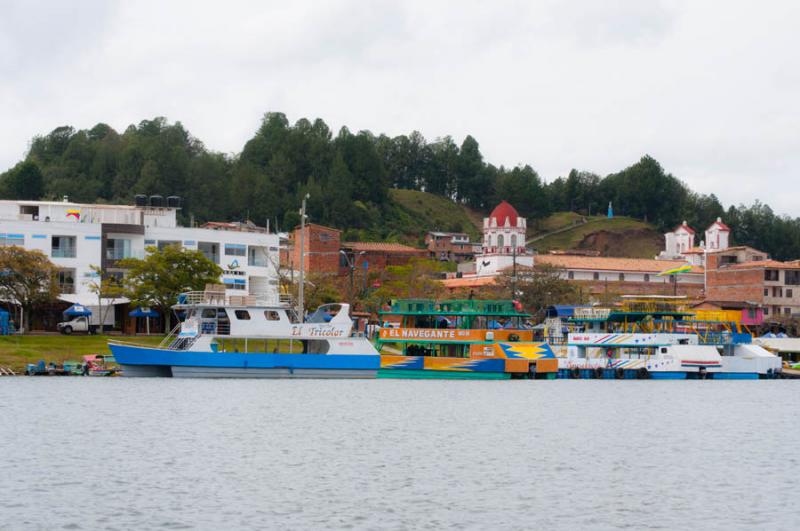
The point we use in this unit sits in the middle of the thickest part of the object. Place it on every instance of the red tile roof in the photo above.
(602, 263)
(684, 226)
(720, 224)
(468, 282)
(382, 247)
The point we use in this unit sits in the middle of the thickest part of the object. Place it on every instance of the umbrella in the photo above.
(77, 310)
(144, 312)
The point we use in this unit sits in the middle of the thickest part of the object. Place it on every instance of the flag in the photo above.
(676, 270)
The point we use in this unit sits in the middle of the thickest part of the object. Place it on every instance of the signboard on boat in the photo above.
(432, 334)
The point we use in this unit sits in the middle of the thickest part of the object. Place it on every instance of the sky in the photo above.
(711, 89)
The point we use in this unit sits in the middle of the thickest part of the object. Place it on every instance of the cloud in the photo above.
(710, 92)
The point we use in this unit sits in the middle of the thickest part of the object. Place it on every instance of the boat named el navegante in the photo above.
(643, 337)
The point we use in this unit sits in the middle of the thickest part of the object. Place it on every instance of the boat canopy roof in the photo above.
(455, 307)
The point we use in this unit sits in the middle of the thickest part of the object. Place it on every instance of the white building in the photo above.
(680, 243)
(503, 241)
(78, 236)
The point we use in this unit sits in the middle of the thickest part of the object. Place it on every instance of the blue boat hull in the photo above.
(142, 361)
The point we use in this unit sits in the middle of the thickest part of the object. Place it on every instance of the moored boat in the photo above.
(221, 338)
(655, 337)
(460, 339)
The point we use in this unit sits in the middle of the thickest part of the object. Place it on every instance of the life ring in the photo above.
(598, 373)
(643, 373)
(619, 373)
(575, 372)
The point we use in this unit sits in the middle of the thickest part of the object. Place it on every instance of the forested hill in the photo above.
(349, 176)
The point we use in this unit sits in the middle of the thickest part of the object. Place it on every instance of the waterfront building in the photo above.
(77, 236)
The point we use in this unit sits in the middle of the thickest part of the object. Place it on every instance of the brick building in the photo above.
(377, 255)
(325, 252)
(322, 245)
(745, 274)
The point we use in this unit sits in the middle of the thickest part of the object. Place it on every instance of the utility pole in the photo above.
(514, 273)
(300, 294)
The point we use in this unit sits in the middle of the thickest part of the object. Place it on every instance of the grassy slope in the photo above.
(415, 213)
(640, 239)
(17, 351)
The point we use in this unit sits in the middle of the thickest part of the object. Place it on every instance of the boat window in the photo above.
(272, 315)
(663, 350)
(242, 315)
(209, 313)
(315, 346)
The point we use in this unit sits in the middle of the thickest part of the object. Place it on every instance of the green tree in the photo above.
(27, 278)
(158, 279)
(23, 181)
(538, 287)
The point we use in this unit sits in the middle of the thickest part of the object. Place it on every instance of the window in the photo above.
(500, 240)
(210, 250)
(777, 292)
(766, 292)
(571, 275)
(787, 311)
(257, 256)
(235, 283)
(66, 280)
(513, 240)
(63, 247)
(162, 244)
(751, 313)
(792, 278)
(788, 294)
(771, 274)
(622, 277)
(766, 310)
(596, 275)
(235, 249)
(12, 239)
(647, 277)
(209, 313)
(242, 315)
(272, 315)
(117, 249)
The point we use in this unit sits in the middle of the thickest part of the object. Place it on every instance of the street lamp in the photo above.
(351, 263)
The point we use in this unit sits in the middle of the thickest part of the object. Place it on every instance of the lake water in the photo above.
(221, 454)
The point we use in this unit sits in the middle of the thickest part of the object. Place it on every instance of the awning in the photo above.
(76, 310)
(143, 312)
(73, 298)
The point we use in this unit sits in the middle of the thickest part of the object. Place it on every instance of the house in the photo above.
(451, 246)
(679, 244)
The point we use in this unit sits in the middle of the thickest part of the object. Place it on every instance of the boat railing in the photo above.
(170, 337)
(220, 298)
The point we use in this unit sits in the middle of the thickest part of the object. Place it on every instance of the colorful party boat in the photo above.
(655, 337)
(461, 339)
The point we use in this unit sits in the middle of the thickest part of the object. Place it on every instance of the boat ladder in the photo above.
(7, 371)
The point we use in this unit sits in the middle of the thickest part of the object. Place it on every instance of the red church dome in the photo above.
(504, 211)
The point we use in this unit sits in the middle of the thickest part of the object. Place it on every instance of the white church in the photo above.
(503, 241)
(680, 243)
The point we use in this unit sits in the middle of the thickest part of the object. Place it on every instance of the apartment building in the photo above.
(78, 236)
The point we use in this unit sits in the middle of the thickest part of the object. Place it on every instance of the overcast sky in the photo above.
(710, 89)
